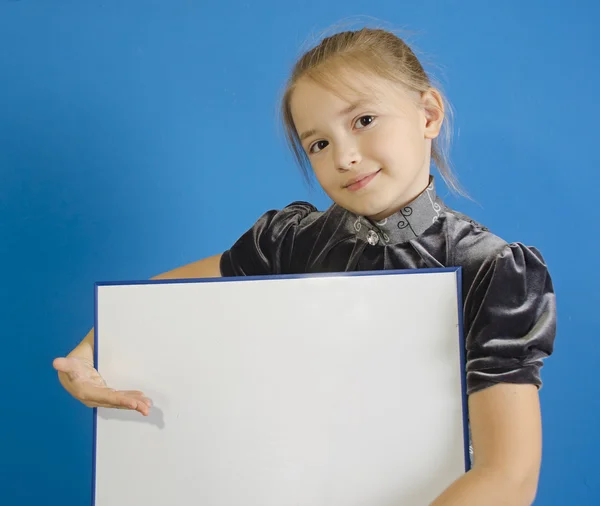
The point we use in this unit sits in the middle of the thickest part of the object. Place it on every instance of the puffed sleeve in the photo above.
(267, 247)
(510, 319)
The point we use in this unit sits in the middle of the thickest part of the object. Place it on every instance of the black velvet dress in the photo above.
(508, 299)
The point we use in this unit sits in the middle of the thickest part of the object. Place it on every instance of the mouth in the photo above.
(361, 181)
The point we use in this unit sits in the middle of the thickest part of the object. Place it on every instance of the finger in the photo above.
(140, 407)
(62, 364)
(72, 367)
(115, 399)
(132, 393)
(66, 366)
(136, 394)
(109, 406)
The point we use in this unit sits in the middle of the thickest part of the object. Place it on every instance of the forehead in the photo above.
(313, 101)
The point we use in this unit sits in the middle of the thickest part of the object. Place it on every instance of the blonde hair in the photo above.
(374, 51)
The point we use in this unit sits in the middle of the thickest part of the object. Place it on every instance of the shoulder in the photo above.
(273, 223)
(298, 208)
(474, 247)
(296, 213)
(267, 246)
(508, 303)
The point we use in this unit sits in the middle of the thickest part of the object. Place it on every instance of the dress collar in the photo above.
(408, 223)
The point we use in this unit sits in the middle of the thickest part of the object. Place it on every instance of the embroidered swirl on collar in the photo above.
(408, 223)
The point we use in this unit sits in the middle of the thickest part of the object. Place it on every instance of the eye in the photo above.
(318, 144)
(364, 121)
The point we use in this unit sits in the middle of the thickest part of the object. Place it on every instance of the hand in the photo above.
(82, 381)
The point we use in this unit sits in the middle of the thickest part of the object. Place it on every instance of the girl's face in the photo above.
(371, 156)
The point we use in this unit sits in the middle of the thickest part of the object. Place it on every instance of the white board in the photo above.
(311, 390)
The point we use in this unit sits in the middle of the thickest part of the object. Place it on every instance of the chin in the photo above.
(368, 209)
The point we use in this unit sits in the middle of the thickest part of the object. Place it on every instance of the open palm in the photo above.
(79, 377)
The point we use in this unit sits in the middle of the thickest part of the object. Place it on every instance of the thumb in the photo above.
(62, 364)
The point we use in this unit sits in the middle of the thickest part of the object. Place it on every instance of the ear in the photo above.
(433, 106)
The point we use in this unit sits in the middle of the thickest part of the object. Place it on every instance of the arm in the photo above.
(506, 433)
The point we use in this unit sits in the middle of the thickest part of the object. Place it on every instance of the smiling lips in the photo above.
(361, 181)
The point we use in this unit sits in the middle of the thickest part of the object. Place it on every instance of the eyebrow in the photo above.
(343, 112)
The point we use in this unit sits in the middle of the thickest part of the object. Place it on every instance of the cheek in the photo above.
(396, 148)
(383, 149)
(323, 171)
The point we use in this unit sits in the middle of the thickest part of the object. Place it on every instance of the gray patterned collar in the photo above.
(408, 223)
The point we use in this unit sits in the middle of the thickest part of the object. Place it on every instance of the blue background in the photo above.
(139, 136)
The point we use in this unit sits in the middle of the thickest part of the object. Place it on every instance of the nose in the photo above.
(347, 157)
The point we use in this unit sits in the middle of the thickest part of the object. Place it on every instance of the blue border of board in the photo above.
(456, 270)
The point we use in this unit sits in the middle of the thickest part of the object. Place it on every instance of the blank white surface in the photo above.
(310, 391)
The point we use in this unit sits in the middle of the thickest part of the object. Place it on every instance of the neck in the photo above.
(413, 219)
(416, 189)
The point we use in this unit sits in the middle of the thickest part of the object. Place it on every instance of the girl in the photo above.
(360, 111)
